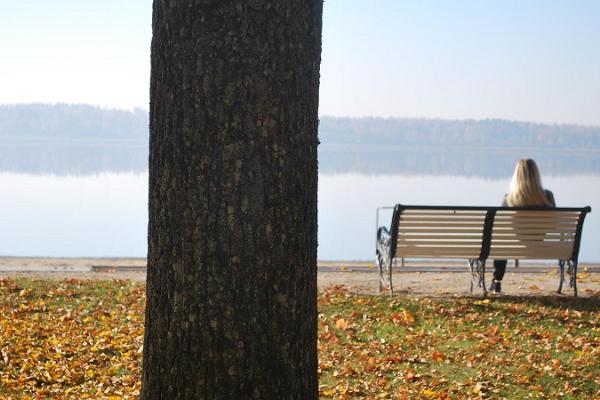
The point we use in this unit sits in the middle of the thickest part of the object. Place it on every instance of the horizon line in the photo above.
(138, 108)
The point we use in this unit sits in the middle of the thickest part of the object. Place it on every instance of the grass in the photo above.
(83, 339)
(459, 348)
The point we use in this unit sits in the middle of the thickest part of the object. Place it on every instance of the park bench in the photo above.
(477, 234)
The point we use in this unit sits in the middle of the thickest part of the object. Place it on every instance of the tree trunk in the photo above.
(232, 237)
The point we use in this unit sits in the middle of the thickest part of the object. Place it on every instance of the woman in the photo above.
(525, 190)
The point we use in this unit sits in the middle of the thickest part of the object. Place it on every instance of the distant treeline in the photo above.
(82, 139)
(439, 132)
(71, 121)
(80, 121)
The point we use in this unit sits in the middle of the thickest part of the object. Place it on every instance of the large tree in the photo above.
(232, 236)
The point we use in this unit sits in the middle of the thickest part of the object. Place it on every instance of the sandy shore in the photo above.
(361, 277)
(68, 262)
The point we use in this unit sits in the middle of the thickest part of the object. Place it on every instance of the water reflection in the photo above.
(73, 157)
(106, 214)
(89, 198)
(84, 157)
(451, 160)
(70, 216)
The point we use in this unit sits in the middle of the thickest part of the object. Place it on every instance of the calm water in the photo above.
(106, 214)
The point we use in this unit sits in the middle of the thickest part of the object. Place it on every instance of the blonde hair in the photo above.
(526, 186)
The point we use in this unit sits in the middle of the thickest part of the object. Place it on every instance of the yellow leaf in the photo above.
(341, 324)
(478, 388)
(430, 393)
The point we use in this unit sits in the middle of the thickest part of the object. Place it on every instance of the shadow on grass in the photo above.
(591, 304)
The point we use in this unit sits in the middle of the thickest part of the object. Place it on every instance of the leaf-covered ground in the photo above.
(78, 339)
(391, 347)
(70, 339)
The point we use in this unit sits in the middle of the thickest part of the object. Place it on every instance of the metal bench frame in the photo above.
(387, 249)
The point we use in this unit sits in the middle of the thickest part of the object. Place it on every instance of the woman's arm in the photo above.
(550, 197)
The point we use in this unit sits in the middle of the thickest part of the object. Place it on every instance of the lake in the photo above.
(102, 212)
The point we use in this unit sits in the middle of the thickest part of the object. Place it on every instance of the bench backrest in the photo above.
(535, 234)
(439, 233)
(486, 232)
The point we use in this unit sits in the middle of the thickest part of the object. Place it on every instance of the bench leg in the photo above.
(561, 269)
(472, 271)
(390, 276)
(572, 270)
(385, 272)
(482, 277)
(380, 267)
(477, 268)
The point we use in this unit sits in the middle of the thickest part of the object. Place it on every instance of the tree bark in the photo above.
(232, 236)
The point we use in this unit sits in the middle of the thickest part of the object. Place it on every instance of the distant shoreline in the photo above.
(324, 146)
(140, 262)
(448, 281)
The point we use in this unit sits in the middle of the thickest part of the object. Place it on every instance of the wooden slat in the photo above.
(506, 241)
(424, 253)
(533, 238)
(434, 245)
(440, 256)
(444, 212)
(537, 236)
(501, 235)
(449, 224)
(536, 212)
(543, 255)
(413, 229)
(509, 253)
(460, 218)
(532, 247)
(532, 234)
(529, 245)
(439, 244)
(533, 213)
(567, 222)
(439, 253)
(537, 240)
(529, 230)
(512, 250)
(531, 227)
(539, 223)
(434, 248)
(541, 216)
(546, 255)
(472, 236)
(549, 256)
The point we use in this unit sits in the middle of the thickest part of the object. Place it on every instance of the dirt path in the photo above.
(363, 279)
(449, 284)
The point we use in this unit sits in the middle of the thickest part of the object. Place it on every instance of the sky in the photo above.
(526, 60)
